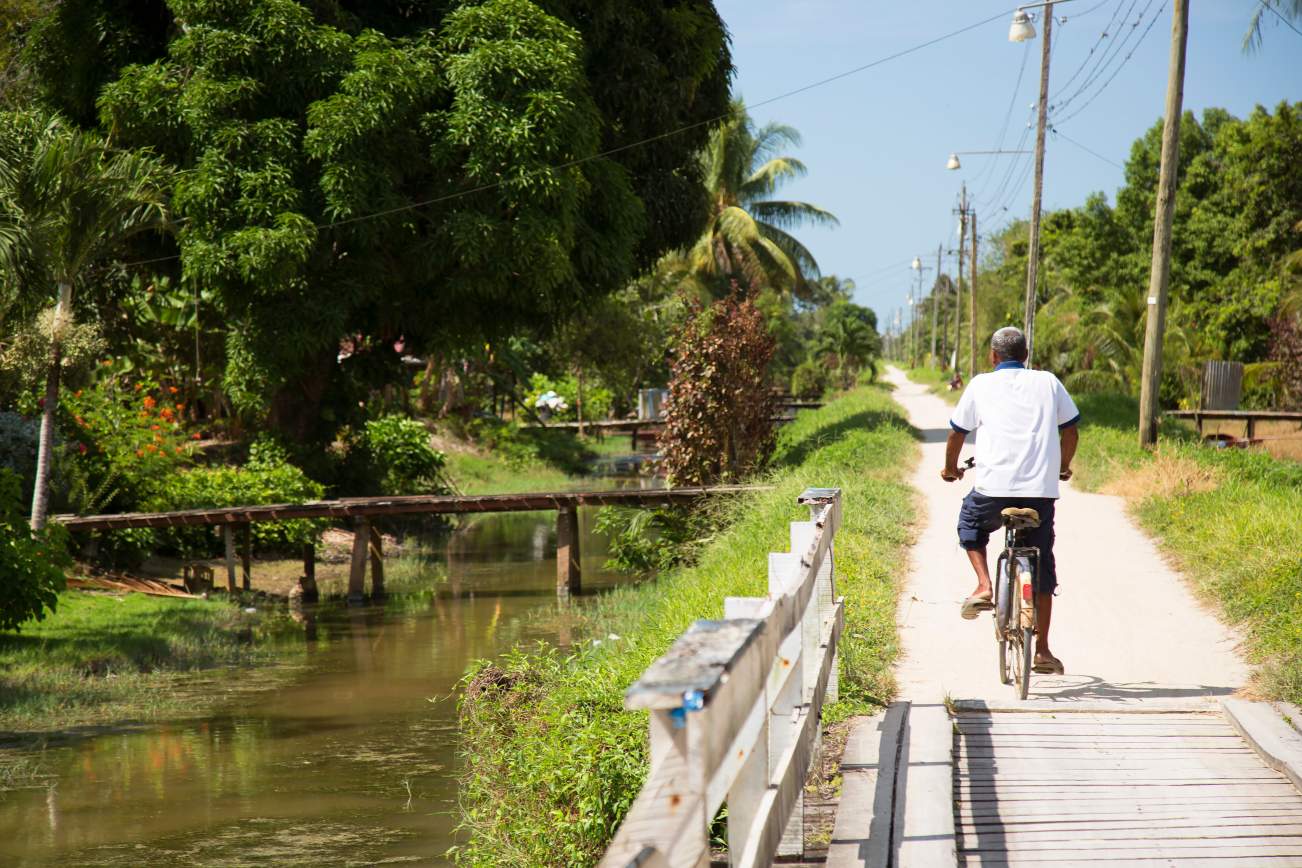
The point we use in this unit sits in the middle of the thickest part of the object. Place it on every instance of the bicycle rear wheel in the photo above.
(1025, 652)
(1005, 587)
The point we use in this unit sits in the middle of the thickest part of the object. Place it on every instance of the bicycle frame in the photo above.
(1014, 550)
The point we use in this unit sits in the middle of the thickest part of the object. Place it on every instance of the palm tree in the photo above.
(1286, 11)
(67, 201)
(748, 235)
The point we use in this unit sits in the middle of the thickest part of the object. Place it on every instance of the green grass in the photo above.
(104, 658)
(936, 381)
(1231, 519)
(553, 760)
(540, 461)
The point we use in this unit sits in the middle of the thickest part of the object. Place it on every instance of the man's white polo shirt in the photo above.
(1017, 414)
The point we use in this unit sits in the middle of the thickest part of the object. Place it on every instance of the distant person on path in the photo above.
(1026, 441)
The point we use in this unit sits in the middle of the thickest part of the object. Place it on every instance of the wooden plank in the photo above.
(1222, 861)
(1071, 818)
(1188, 830)
(1261, 846)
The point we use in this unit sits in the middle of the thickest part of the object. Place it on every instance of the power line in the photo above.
(1287, 23)
(1110, 57)
(1103, 34)
(1105, 58)
(1008, 116)
(1087, 150)
(1122, 66)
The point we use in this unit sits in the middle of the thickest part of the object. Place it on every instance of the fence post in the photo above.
(784, 571)
(310, 592)
(246, 558)
(823, 507)
(746, 795)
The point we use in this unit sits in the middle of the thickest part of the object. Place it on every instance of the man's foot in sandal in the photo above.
(1047, 664)
(975, 605)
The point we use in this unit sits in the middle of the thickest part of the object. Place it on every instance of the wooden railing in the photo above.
(735, 709)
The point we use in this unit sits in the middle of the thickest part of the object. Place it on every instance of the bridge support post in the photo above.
(568, 571)
(377, 562)
(228, 536)
(310, 593)
(357, 570)
(246, 557)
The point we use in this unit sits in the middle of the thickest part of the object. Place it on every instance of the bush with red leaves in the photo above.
(719, 418)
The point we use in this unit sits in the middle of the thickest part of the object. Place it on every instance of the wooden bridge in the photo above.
(367, 539)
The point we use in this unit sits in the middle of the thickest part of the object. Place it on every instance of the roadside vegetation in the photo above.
(1230, 519)
(552, 759)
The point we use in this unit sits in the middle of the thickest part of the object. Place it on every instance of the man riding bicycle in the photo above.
(1026, 441)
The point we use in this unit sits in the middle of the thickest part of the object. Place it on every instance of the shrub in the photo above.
(267, 477)
(393, 456)
(18, 439)
(31, 564)
(719, 419)
(651, 540)
(597, 399)
(809, 380)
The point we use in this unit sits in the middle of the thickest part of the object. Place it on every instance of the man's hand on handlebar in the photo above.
(951, 474)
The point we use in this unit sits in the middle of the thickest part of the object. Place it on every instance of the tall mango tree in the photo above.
(68, 202)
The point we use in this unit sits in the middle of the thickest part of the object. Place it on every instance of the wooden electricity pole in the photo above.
(971, 302)
(1160, 276)
(1033, 252)
(935, 303)
(958, 291)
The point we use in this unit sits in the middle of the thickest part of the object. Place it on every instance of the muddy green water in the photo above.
(352, 762)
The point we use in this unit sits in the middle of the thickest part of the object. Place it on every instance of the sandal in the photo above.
(975, 605)
(1047, 664)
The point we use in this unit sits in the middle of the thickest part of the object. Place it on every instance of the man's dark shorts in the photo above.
(980, 516)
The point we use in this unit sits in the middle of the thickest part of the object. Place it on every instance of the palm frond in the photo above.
(792, 214)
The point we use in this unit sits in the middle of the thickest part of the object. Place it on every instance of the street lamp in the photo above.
(1022, 29)
(953, 163)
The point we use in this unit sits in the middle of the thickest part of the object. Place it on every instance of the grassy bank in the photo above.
(936, 381)
(1230, 519)
(553, 761)
(103, 658)
(526, 461)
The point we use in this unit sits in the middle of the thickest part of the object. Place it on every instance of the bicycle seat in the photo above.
(1018, 517)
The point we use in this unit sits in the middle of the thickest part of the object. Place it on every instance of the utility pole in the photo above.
(935, 303)
(1033, 251)
(971, 302)
(1160, 276)
(958, 286)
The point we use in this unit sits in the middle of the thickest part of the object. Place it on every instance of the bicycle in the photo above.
(1015, 585)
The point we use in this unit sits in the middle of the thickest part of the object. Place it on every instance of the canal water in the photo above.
(352, 760)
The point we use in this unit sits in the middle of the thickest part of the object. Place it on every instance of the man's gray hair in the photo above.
(1009, 344)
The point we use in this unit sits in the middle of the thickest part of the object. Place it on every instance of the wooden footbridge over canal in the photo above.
(364, 512)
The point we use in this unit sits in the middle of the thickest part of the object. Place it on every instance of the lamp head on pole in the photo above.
(917, 264)
(953, 163)
(1022, 29)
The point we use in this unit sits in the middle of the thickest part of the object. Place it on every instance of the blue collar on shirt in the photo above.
(1003, 366)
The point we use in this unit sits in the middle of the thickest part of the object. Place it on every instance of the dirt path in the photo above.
(1124, 624)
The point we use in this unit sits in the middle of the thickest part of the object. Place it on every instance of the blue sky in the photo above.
(876, 142)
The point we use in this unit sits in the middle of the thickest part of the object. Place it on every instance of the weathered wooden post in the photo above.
(568, 569)
(377, 562)
(228, 535)
(357, 570)
(785, 573)
(310, 592)
(246, 557)
(825, 505)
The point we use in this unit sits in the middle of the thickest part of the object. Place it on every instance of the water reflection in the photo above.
(353, 761)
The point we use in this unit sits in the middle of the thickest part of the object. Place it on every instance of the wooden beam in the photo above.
(409, 505)
(377, 561)
(568, 569)
(357, 570)
(228, 535)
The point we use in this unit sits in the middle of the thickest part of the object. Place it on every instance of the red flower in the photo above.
(149, 401)
(172, 390)
(153, 427)
(140, 453)
(195, 436)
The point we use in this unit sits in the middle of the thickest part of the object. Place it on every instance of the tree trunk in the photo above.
(45, 446)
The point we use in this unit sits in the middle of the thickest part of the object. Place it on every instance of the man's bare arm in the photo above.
(1068, 437)
(953, 446)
